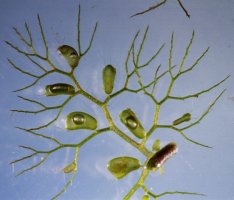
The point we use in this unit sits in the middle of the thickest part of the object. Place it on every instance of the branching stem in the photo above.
(133, 59)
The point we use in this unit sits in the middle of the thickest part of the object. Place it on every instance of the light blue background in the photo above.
(208, 171)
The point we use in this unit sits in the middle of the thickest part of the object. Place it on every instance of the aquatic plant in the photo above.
(160, 4)
(121, 166)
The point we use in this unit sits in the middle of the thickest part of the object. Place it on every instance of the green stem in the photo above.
(114, 128)
(139, 183)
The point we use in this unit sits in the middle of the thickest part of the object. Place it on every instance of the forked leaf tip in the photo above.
(20, 128)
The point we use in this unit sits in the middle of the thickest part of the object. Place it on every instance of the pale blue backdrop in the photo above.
(208, 171)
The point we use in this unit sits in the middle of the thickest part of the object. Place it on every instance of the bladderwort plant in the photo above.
(121, 166)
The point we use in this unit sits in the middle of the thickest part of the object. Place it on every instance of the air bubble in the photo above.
(131, 122)
(78, 119)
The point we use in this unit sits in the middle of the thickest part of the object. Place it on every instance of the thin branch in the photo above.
(29, 148)
(71, 178)
(138, 184)
(196, 95)
(43, 36)
(173, 79)
(35, 82)
(55, 118)
(155, 79)
(135, 61)
(160, 4)
(190, 140)
(196, 62)
(78, 36)
(41, 135)
(194, 123)
(153, 57)
(146, 190)
(94, 134)
(184, 9)
(205, 113)
(37, 64)
(170, 56)
(143, 87)
(23, 158)
(33, 101)
(142, 44)
(182, 134)
(78, 32)
(164, 73)
(140, 89)
(21, 37)
(37, 111)
(29, 111)
(47, 124)
(29, 33)
(186, 52)
(34, 166)
(178, 192)
(150, 8)
(91, 40)
(128, 56)
(23, 52)
(20, 70)
(34, 53)
(65, 187)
